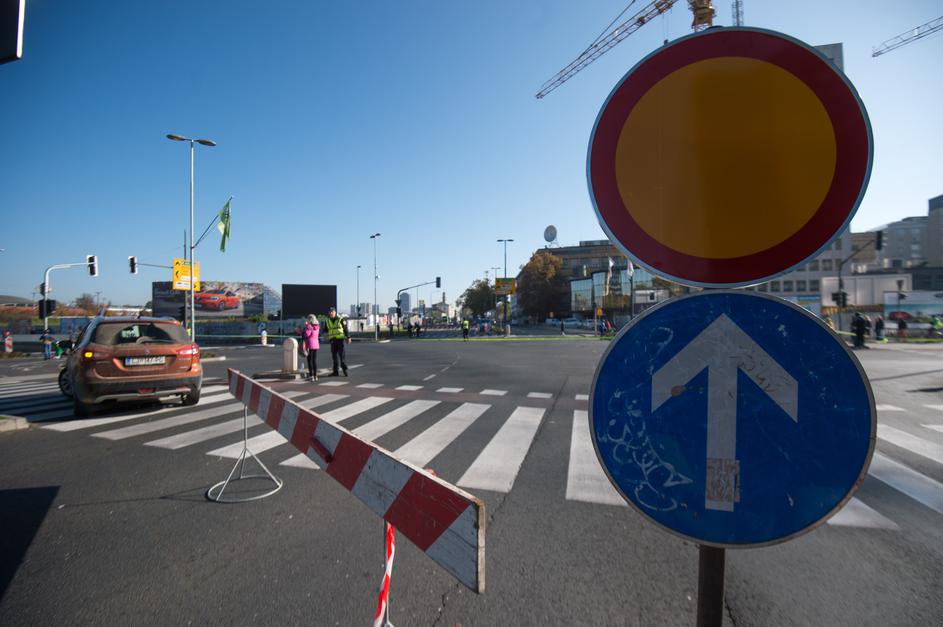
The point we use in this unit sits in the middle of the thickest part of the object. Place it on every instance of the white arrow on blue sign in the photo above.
(733, 419)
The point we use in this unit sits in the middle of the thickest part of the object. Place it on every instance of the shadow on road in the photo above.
(21, 514)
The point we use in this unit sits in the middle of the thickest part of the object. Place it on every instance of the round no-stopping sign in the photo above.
(729, 157)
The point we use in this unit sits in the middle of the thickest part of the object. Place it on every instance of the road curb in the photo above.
(12, 423)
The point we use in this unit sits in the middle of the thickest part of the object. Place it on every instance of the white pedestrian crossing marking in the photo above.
(370, 386)
(409, 388)
(857, 514)
(9, 390)
(582, 397)
(924, 448)
(257, 444)
(300, 461)
(936, 407)
(539, 395)
(348, 411)
(935, 427)
(398, 417)
(36, 406)
(450, 390)
(499, 462)
(586, 481)
(888, 408)
(424, 447)
(33, 392)
(88, 423)
(493, 392)
(910, 482)
(189, 438)
(168, 423)
(324, 399)
(333, 383)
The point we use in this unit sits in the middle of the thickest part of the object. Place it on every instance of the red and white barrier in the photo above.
(444, 521)
(384, 601)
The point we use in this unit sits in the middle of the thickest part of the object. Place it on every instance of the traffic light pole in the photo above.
(842, 302)
(44, 289)
(399, 294)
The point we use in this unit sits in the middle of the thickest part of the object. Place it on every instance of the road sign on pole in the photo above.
(732, 419)
(728, 157)
(181, 275)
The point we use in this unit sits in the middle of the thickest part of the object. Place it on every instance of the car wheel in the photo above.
(192, 398)
(81, 409)
(65, 385)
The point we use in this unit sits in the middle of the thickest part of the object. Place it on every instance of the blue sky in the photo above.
(335, 120)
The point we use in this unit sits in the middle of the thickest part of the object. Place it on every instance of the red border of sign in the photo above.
(852, 170)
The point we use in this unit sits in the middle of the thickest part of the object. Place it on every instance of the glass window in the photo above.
(814, 285)
(787, 286)
(800, 286)
(774, 286)
(838, 244)
(826, 264)
(113, 334)
(581, 293)
(814, 266)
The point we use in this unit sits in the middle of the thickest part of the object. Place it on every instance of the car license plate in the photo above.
(145, 361)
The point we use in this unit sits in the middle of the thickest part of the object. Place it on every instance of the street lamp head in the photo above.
(206, 142)
(374, 236)
(177, 138)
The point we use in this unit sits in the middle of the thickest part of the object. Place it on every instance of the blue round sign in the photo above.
(731, 418)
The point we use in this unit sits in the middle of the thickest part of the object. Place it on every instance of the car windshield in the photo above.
(118, 333)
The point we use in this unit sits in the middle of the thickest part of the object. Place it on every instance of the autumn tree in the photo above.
(479, 297)
(86, 302)
(542, 288)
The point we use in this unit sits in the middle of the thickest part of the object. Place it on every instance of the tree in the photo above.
(542, 288)
(86, 302)
(478, 298)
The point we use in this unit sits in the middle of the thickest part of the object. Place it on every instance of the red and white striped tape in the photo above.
(384, 601)
(444, 521)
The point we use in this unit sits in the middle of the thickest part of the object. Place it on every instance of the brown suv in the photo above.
(120, 359)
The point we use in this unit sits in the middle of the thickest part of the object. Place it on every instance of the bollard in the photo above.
(264, 335)
(290, 356)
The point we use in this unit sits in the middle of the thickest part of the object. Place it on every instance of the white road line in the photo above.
(582, 397)
(369, 386)
(257, 444)
(889, 408)
(398, 417)
(31, 392)
(910, 482)
(936, 407)
(26, 387)
(499, 462)
(167, 423)
(586, 481)
(409, 388)
(333, 384)
(42, 405)
(88, 423)
(857, 514)
(28, 377)
(431, 376)
(924, 448)
(351, 367)
(935, 427)
(424, 447)
(51, 415)
(493, 392)
(300, 461)
(450, 390)
(189, 438)
(324, 399)
(539, 395)
(348, 411)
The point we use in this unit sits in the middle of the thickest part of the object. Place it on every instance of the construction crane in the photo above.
(702, 10)
(736, 7)
(912, 35)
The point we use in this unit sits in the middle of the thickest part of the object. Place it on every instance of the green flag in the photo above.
(223, 225)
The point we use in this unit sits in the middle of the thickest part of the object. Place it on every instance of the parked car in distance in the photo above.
(131, 359)
(216, 299)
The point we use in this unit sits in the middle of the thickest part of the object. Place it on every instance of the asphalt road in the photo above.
(102, 526)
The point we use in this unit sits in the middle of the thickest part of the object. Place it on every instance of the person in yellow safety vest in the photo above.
(338, 335)
(465, 330)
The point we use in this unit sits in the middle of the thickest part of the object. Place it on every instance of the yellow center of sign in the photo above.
(725, 157)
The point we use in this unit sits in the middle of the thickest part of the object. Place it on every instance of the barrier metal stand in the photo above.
(710, 586)
(220, 487)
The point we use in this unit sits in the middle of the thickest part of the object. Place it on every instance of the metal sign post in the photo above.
(710, 586)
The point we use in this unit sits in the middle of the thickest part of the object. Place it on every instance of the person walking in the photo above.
(859, 326)
(46, 340)
(879, 329)
(409, 328)
(338, 335)
(465, 330)
(310, 343)
(901, 329)
(418, 326)
(562, 328)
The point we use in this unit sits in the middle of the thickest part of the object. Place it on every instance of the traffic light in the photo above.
(438, 281)
(133, 264)
(42, 288)
(879, 240)
(92, 265)
(181, 312)
(843, 298)
(47, 307)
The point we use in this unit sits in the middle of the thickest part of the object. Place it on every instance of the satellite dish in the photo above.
(550, 234)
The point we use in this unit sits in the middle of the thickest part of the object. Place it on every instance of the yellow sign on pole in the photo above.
(503, 287)
(181, 277)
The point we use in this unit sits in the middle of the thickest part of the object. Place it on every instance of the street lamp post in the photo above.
(359, 321)
(507, 324)
(376, 328)
(203, 142)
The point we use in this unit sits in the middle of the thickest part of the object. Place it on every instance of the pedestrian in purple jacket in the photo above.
(310, 345)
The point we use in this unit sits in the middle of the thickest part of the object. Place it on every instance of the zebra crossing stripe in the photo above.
(888, 408)
(424, 447)
(349, 411)
(36, 406)
(167, 423)
(450, 390)
(324, 399)
(936, 407)
(396, 418)
(935, 427)
(25, 387)
(493, 392)
(31, 393)
(539, 395)
(857, 514)
(910, 482)
(182, 440)
(257, 444)
(334, 384)
(370, 386)
(586, 481)
(924, 448)
(409, 388)
(582, 397)
(499, 462)
(444, 522)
